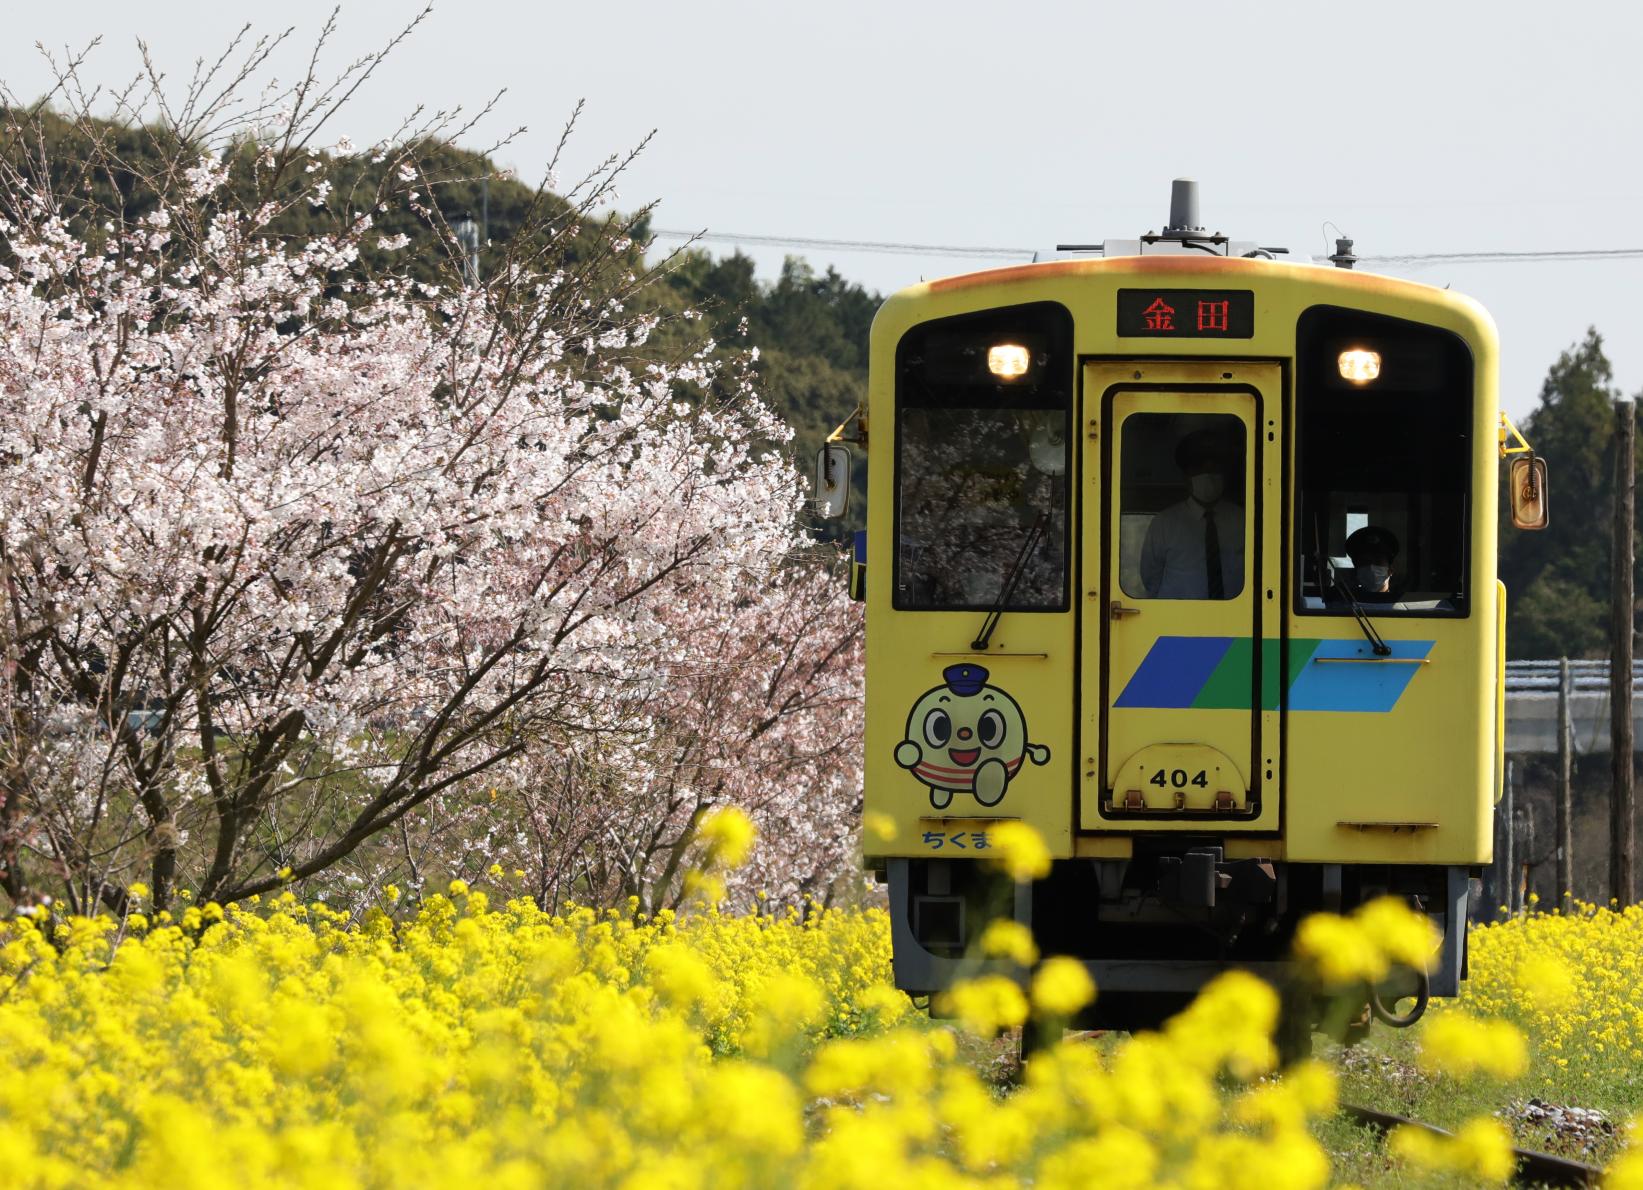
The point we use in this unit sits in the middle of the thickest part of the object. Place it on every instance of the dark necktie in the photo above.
(1212, 556)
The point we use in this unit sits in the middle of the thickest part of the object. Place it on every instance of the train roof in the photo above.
(1322, 284)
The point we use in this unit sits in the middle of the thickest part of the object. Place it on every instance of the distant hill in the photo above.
(811, 332)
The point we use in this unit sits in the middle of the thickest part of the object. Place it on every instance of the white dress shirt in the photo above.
(1173, 558)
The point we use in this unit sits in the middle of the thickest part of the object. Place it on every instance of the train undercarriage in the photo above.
(1153, 929)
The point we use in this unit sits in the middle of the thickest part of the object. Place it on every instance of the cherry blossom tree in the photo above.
(307, 564)
(759, 707)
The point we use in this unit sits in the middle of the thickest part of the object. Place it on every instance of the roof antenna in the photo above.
(1343, 258)
(1183, 211)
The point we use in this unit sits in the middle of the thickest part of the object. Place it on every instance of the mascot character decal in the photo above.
(966, 737)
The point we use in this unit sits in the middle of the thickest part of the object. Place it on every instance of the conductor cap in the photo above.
(1201, 450)
(1372, 543)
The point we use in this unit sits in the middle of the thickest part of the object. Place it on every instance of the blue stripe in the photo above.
(1174, 671)
(1373, 686)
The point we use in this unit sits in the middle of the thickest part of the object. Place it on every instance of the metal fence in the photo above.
(1533, 829)
(1531, 705)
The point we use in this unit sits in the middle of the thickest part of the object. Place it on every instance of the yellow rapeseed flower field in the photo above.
(1574, 983)
(283, 1045)
(1553, 1009)
(279, 1045)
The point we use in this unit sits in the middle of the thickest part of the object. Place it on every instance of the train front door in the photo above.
(1182, 629)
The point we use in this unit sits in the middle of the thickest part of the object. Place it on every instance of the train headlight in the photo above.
(1008, 360)
(1360, 366)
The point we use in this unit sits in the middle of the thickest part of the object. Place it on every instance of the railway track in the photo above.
(1533, 1168)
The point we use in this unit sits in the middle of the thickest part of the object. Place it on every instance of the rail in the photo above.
(1533, 1168)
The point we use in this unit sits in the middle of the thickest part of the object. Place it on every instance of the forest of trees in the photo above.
(1558, 580)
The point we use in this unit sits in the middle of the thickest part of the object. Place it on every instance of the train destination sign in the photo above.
(1186, 313)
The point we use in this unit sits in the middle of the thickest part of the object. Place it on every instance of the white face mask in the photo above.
(1373, 578)
(1206, 488)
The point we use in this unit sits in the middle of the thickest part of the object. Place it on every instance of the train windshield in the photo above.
(982, 453)
(1384, 467)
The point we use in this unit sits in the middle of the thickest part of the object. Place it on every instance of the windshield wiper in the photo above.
(1034, 536)
(1378, 646)
(1321, 562)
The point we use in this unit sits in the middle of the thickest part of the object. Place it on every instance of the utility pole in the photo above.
(1621, 884)
(467, 238)
(1565, 795)
(1523, 850)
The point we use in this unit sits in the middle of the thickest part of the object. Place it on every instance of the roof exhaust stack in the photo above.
(1183, 211)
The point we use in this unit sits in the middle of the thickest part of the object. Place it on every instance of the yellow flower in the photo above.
(1480, 1149)
(1061, 987)
(1457, 1044)
(137, 890)
(1399, 932)
(1484, 1149)
(1019, 850)
(984, 1005)
(458, 888)
(1006, 939)
(1546, 982)
(878, 825)
(1116, 1158)
(1338, 951)
(729, 834)
(1626, 1173)
(704, 887)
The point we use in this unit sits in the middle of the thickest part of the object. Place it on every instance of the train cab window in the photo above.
(1181, 506)
(983, 412)
(1384, 466)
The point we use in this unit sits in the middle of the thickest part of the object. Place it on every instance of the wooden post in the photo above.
(1565, 794)
(1504, 830)
(1523, 849)
(1621, 884)
(1565, 786)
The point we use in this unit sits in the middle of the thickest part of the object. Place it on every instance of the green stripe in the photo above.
(1228, 686)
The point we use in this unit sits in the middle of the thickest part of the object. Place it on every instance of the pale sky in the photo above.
(1414, 127)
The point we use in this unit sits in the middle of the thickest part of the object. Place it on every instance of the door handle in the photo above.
(1118, 611)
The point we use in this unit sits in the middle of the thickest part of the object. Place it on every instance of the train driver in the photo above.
(1373, 551)
(1195, 549)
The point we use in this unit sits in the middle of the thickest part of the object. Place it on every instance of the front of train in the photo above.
(1185, 557)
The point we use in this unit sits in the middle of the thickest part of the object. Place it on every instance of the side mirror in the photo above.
(1526, 489)
(832, 481)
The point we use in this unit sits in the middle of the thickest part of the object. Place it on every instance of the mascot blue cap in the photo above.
(964, 680)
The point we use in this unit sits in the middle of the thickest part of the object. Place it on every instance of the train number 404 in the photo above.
(1178, 779)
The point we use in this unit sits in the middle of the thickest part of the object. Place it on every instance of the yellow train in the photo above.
(1185, 556)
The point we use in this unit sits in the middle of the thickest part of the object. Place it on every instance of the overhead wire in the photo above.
(899, 247)
(726, 237)
(1506, 257)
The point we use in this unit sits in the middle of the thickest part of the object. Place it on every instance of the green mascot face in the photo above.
(966, 737)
